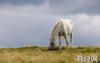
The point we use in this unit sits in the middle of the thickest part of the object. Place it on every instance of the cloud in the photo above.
(61, 6)
(86, 29)
(22, 2)
(24, 24)
(75, 6)
(89, 24)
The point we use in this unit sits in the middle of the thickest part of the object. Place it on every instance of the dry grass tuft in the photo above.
(43, 55)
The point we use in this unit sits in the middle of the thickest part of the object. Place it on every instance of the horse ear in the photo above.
(48, 47)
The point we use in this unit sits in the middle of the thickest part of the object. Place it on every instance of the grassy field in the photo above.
(43, 55)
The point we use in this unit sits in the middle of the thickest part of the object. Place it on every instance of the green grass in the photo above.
(43, 55)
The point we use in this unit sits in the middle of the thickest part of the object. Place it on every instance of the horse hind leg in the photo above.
(71, 40)
(67, 44)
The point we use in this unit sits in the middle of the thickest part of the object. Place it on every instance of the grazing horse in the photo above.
(62, 29)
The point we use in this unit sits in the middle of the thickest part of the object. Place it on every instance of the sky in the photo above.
(30, 22)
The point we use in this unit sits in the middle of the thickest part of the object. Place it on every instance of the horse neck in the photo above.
(53, 35)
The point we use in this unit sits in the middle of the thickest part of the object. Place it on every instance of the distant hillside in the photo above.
(43, 55)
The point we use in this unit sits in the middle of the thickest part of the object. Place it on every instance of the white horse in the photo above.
(62, 29)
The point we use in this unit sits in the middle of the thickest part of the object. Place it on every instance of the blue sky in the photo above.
(30, 22)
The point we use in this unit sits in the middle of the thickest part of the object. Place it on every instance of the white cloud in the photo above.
(86, 29)
(28, 24)
(87, 24)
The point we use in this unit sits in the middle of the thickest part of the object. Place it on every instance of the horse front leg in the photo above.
(59, 42)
